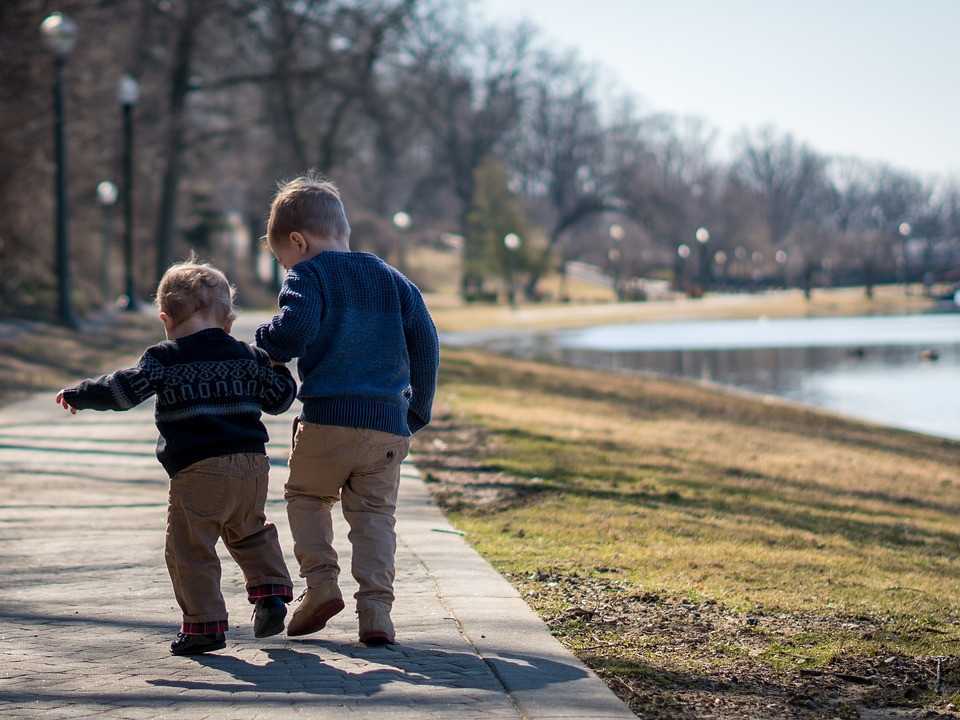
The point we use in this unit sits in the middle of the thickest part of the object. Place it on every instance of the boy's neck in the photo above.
(193, 324)
(321, 244)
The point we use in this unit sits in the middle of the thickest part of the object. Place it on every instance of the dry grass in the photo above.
(39, 356)
(579, 291)
(436, 272)
(452, 315)
(671, 532)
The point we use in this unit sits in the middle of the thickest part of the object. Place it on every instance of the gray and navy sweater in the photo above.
(210, 390)
(367, 347)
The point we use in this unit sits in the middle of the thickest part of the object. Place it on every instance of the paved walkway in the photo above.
(86, 609)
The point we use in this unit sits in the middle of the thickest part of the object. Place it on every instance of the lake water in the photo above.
(868, 367)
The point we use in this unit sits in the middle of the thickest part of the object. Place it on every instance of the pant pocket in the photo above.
(394, 453)
(202, 492)
(384, 455)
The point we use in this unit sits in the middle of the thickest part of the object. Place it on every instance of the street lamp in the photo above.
(781, 259)
(60, 35)
(703, 237)
(128, 92)
(512, 242)
(614, 255)
(904, 229)
(679, 265)
(107, 198)
(720, 258)
(402, 221)
(617, 233)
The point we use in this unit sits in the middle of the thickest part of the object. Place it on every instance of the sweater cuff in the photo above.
(415, 423)
(263, 342)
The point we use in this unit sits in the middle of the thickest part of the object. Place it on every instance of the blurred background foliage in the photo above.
(419, 109)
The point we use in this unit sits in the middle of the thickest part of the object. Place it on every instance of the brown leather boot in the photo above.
(317, 606)
(376, 627)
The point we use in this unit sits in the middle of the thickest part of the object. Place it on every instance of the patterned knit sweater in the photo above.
(367, 347)
(210, 390)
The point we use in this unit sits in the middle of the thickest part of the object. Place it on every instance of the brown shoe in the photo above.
(376, 627)
(316, 607)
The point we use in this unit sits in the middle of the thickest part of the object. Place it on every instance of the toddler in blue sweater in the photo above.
(367, 356)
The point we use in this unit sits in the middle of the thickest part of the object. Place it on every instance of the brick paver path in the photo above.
(87, 612)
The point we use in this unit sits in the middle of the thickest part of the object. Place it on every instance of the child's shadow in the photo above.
(305, 672)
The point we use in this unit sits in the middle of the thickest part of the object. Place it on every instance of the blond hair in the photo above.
(309, 203)
(190, 287)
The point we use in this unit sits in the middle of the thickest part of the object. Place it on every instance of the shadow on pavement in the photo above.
(291, 670)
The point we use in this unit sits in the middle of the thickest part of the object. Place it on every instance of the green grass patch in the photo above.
(665, 530)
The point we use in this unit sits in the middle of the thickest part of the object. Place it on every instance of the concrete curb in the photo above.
(541, 676)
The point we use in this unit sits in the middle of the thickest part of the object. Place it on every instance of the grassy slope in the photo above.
(451, 315)
(674, 535)
(40, 356)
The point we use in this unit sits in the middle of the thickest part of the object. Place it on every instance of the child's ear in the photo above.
(167, 321)
(299, 242)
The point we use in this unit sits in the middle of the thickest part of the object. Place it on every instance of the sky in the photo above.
(878, 79)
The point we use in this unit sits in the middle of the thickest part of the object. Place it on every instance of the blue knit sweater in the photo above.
(367, 347)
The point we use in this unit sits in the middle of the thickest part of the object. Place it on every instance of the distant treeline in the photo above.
(475, 132)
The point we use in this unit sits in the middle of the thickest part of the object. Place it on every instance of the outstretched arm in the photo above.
(120, 390)
(294, 327)
(423, 349)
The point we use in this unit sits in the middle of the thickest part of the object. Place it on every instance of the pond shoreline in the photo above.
(891, 371)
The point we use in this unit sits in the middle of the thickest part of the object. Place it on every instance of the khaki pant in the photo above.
(361, 467)
(214, 498)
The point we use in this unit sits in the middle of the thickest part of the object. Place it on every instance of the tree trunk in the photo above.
(255, 230)
(174, 144)
(808, 270)
(539, 269)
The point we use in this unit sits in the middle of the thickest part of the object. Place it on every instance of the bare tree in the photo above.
(185, 19)
(783, 173)
(678, 186)
(470, 99)
(561, 162)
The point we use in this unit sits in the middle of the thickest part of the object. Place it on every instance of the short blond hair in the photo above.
(190, 287)
(309, 203)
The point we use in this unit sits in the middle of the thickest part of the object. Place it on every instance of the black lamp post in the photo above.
(680, 266)
(402, 221)
(512, 243)
(60, 34)
(904, 229)
(702, 236)
(107, 197)
(128, 92)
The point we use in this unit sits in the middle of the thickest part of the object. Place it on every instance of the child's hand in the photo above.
(64, 404)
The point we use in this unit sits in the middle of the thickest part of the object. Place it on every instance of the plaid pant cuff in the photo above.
(204, 628)
(284, 592)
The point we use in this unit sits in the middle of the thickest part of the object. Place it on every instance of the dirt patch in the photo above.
(670, 657)
(452, 456)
